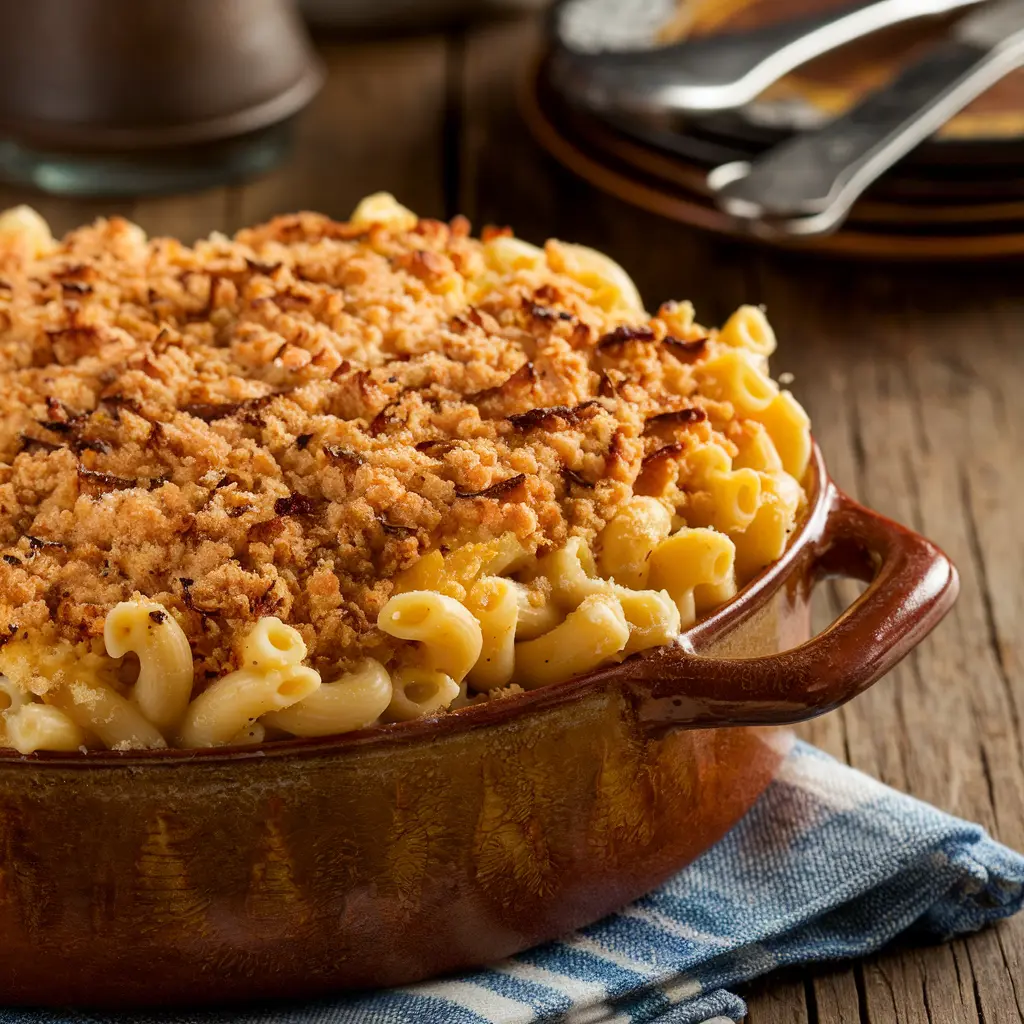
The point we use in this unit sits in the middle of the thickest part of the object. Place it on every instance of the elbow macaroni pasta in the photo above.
(756, 450)
(354, 701)
(450, 637)
(101, 711)
(735, 498)
(748, 328)
(652, 616)
(486, 615)
(789, 428)
(571, 574)
(695, 566)
(417, 692)
(495, 604)
(253, 734)
(505, 255)
(382, 208)
(765, 537)
(733, 376)
(164, 685)
(610, 286)
(25, 231)
(12, 696)
(589, 637)
(272, 677)
(627, 541)
(238, 699)
(538, 612)
(41, 727)
(271, 644)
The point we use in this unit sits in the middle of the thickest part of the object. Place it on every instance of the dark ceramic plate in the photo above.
(896, 200)
(900, 218)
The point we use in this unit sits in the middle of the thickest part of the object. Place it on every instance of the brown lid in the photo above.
(105, 74)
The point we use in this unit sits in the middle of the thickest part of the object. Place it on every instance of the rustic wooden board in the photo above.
(913, 379)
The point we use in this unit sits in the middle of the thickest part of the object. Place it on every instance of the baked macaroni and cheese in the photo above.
(324, 475)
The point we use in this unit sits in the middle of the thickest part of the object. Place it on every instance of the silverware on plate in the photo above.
(713, 73)
(807, 185)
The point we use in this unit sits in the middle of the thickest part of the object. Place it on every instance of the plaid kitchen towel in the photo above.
(829, 864)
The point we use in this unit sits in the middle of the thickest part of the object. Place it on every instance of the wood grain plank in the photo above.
(968, 420)
(835, 996)
(939, 723)
(778, 1001)
(903, 479)
(376, 125)
(925, 984)
(955, 519)
(186, 217)
(997, 984)
(62, 213)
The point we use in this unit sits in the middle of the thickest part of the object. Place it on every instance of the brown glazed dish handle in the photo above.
(911, 586)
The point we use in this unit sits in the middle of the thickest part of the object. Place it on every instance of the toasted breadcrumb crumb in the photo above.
(280, 422)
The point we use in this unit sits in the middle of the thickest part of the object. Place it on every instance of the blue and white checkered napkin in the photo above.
(829, 864)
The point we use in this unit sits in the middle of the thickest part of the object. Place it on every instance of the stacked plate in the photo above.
(961, 194)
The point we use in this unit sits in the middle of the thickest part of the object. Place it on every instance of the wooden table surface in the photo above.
(914, 379)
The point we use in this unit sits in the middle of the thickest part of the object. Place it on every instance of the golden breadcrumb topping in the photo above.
(278, 423)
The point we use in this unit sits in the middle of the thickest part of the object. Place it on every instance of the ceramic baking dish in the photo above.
(391, 855)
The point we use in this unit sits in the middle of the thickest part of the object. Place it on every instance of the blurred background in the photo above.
(904, 143)
(657, 102)
(903, 329)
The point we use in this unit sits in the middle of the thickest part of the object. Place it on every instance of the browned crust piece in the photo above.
(280, 422)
